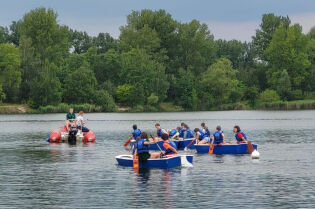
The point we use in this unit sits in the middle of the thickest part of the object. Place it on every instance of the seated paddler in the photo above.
(218, 136)
(239, 135)
(201, 138)
(70, 118)
(169, 147)
(159, 131)
(174, 133)
(141, 148)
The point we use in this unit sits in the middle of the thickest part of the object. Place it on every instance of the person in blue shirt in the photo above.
(239, 135)
(205, 129)
(134, 135)
(141, 148)
(182, 130)
(218, 136)
(174, 133)
(188, 133)
(201, 138)
(159, 131)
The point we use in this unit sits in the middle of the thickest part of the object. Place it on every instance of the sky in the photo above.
(227, 19)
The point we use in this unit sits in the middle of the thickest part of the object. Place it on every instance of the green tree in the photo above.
(47, 37)
(104, 42)
(252, 94)
(4, 35)
(288, 50)
(233, 50)
(80, 41)
(123, 94)
(105, 100)
(46, 89)
(10, 75)
(268, 26)
(284, 85)
(220, 81)
(138, 68)
(269, 95)
(80, 86)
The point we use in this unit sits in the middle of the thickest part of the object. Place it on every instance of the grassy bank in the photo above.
(163, 107)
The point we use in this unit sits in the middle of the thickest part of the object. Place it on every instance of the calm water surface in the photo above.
(35, 174)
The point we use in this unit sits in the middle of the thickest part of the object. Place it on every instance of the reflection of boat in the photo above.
(225, 149)
(72, 135)
(181, 144)
(168, 162)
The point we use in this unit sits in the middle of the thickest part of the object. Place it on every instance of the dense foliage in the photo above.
(156, 59)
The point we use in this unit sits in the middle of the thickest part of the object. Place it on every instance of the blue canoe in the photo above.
(180, 144)
(225, 149)
(169, 162)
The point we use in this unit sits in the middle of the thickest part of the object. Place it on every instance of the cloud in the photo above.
(242, 31)
(307, 21)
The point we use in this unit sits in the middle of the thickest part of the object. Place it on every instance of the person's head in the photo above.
(236, 129)
(218, 127)
(196, 130)
(157, 126)
(178, 129)
(164, 136)
(203, 125)
(186, 127)
(134, 127)
(182, 125)
(71, 110)
(81, 112)
(144, 135)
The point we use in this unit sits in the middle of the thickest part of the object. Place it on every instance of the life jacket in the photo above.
(172, 132)
(218, 138)
(140, 146)
(207, 133)
(238, 138)
(181, 132)
(159, 132)
(201, 135)
(169, 151)
(136, 133)
(189, 134)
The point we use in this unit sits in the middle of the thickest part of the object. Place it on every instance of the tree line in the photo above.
(156, 59)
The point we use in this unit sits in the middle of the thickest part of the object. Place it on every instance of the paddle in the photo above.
(250, 147)
(135, 160)
(186, 148)
(127, 142)
(157, 145)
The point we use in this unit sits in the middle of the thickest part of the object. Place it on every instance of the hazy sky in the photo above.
(227, 19)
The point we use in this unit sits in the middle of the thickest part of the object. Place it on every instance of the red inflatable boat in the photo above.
(65, 134)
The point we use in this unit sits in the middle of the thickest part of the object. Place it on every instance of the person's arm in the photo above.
(168, 146)
(223, 138)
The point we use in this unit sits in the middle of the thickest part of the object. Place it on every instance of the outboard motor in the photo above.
(72, 139)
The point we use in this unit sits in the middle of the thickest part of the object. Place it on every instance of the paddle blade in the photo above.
(127, 142)
(135, 162)
(211, 149)
(250, 147)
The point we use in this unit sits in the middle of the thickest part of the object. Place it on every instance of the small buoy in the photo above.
(255, 154)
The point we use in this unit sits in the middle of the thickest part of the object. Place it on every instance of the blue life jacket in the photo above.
(201, 135)
(159, 132)
(189, 134)
(140, 146)
(136, 133)
(218, 138)
(172, 132)
(169, 151)
(238, 138)
(181, 132)
(207, 133)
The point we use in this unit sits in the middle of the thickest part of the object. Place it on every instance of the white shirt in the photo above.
(79, 120)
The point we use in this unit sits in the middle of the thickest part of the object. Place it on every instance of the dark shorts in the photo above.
(144, 156)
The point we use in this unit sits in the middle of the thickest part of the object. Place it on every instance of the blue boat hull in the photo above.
(225, 149)
(170, 162)
(180, 144)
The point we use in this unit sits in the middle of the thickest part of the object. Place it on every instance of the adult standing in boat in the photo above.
(70, 118)
(239, 135)
(168, 146)
(141, 148)
(134, 135)
(205, 129)
(201, 138)
(81, 122)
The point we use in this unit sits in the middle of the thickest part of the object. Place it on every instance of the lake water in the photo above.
(36, 174)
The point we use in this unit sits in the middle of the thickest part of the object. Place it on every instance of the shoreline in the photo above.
(165, 107)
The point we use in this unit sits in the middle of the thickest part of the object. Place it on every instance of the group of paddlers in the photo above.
(201, 135)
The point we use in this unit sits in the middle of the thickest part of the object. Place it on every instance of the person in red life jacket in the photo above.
(168, 146)
(141, 148)
(239, 135)
(201, 138)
